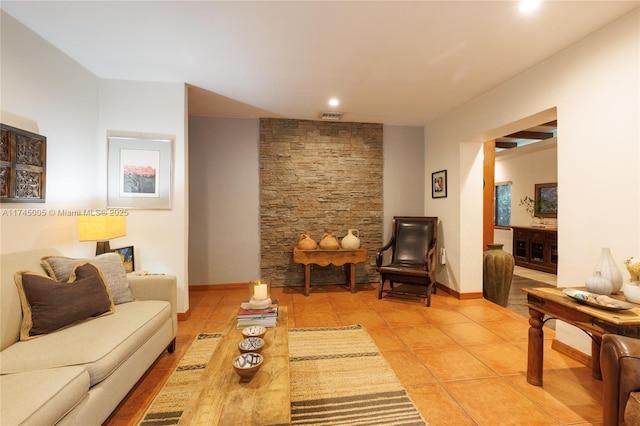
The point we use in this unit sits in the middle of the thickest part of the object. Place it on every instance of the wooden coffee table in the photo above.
(224, 400)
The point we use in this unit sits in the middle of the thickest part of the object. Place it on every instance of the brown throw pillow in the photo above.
(48, 305)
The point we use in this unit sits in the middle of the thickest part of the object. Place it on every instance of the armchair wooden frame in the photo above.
(412, 257)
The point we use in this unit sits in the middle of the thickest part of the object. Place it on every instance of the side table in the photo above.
(323, 258)
(553, 303)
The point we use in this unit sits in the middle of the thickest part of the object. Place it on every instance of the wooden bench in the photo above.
(330, 257)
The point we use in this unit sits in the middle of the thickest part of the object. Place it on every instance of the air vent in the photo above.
(331, 115)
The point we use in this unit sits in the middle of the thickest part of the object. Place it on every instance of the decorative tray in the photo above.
(597, 300)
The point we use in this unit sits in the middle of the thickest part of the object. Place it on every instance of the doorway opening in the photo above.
(519, 161)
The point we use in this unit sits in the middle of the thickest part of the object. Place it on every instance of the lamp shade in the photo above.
(101, 228)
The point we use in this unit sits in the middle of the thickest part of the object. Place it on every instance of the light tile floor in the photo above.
(462, 361)
(536, 275)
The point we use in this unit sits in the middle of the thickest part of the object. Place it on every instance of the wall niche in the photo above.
(317, 176)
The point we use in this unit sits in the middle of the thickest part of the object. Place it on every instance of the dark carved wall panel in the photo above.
(22, 165)
(317, 176)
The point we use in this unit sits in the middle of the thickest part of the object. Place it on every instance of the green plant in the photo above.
(529, 205)
(536, 209)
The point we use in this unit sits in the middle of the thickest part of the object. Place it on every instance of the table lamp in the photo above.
(101, 228)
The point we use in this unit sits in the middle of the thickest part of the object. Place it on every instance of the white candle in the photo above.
(260, 292)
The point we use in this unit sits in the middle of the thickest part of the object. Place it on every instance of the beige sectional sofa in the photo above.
(79, 374)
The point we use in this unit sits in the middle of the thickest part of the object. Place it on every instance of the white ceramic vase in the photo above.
(607, 267)
(350, 241)
(598, 284)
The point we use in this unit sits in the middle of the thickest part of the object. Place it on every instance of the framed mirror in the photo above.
(546, 199)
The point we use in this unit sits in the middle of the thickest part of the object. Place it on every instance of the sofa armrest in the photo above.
(156, 287)
(620, 366)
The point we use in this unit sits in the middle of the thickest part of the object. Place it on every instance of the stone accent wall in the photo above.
(317, 176)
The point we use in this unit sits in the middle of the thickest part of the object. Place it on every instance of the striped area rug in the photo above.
(338, 377)
(167, 406)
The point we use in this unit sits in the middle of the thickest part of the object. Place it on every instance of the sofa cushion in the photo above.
(100, 345)
(41, 397)
(60, 267)
(48, 305)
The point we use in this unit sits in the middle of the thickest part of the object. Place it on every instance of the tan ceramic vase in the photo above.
(305, 242)
(328, 241)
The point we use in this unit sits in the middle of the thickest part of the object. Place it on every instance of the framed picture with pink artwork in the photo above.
(139, 173)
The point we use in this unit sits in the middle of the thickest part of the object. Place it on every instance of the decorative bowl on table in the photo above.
(247, 365)
(597, 300)
(251, 344)
(632, 292)
(254, 331)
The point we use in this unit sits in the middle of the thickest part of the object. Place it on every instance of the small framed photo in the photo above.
(439, 184)
(126, 255)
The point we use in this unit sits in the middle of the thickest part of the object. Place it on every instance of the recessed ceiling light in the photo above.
(529, 5)
(334, 102)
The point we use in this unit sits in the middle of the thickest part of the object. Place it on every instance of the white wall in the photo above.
(595, 87)
(148, 109)
(403, 189)
(44, 91)
(224, 238)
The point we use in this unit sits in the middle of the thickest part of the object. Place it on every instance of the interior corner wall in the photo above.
(57, 98)
(594, 86)
(224, 193)
(151, 109)
(403, 188)
(73, 108)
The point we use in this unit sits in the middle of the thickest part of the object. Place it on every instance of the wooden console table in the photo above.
(595, 321)
(265, 400)
(330, 257)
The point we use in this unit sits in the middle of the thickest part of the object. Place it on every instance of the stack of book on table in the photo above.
(267, 317)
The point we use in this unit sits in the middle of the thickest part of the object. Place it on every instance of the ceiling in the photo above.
(392, 62)
(541, 133)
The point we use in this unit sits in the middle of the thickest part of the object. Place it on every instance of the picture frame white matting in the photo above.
(139, 173)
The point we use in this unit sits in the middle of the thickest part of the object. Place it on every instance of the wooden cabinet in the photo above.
(536, 248)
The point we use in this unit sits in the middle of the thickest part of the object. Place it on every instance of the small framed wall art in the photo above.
(139, 173)
(126, 255)
(439, 184)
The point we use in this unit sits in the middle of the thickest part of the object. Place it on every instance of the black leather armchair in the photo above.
(412, 257)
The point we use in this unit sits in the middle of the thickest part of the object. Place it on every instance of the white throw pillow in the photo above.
(60, 268)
